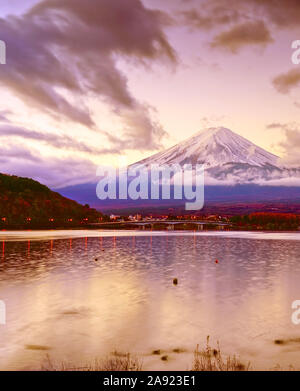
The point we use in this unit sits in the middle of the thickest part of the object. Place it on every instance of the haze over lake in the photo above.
(62, 302)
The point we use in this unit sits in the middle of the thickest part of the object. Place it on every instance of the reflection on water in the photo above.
(77, 298)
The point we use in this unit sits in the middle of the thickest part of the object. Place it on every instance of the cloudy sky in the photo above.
(89, 80)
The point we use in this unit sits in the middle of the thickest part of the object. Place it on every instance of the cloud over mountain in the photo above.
(243, 23)
(290, 145)
(285, 82)
(250, 33)
(62, 52)
(60, 141)
(55, 172)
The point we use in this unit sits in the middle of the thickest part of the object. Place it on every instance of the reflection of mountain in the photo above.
(236, 170)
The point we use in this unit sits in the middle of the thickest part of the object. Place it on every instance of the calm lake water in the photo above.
(62, 302)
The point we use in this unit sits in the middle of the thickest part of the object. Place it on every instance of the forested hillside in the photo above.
(24, 201)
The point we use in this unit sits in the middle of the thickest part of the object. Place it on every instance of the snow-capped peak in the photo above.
(214, 147)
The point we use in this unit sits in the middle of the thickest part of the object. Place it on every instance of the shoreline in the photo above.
(86, 233)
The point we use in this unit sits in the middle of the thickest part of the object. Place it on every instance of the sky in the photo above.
(86, 82)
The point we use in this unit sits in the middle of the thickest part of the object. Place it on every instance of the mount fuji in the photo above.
(214, 147)
(227, 157)
(236, 171)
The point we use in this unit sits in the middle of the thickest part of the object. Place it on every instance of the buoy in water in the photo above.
(96, 259)
(175, 281)
(216, 261)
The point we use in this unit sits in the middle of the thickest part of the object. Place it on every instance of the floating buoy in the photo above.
(217, 261)
(175, 281)
(96, 259)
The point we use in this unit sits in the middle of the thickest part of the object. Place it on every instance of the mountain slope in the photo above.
(25, 201)
(228, 158)
(236, 171)
(214, 147)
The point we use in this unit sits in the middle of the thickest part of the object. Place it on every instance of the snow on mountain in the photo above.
(229, 160)
(214, 147)
(226, 156)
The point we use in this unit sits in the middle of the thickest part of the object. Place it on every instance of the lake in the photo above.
(60, 301)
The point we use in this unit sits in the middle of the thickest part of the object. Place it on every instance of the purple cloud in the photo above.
(62, 49)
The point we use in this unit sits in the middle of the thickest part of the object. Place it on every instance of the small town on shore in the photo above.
(96, 220)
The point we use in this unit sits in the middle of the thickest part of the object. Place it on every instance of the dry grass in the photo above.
(124, 362)
(210, 359)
